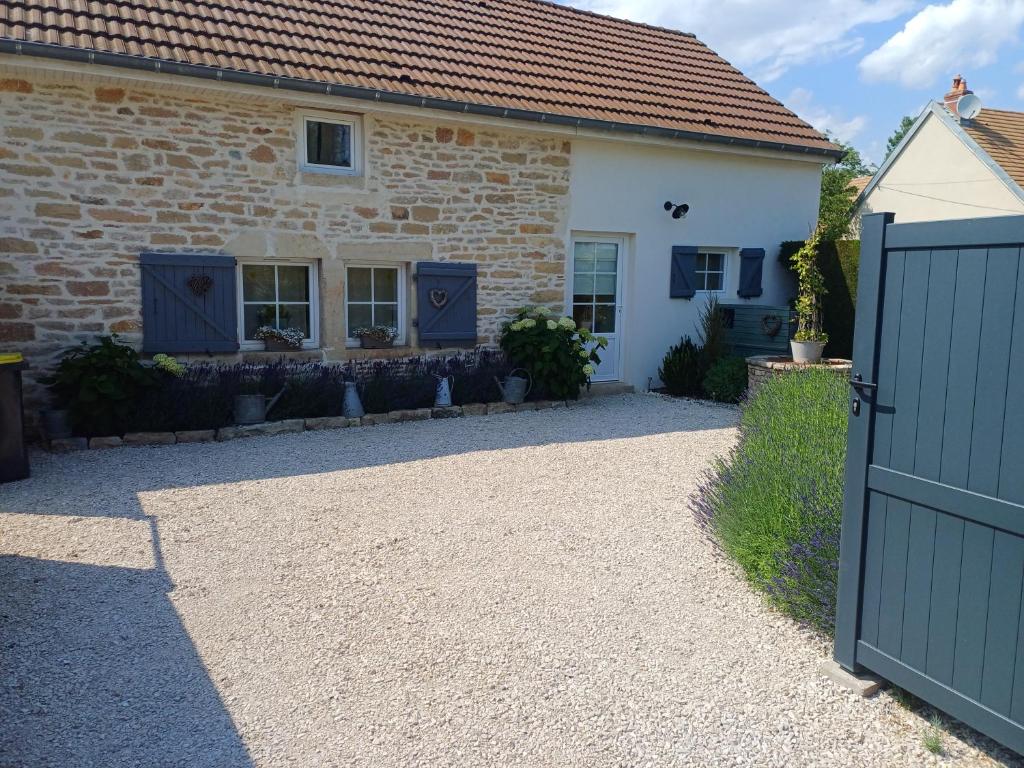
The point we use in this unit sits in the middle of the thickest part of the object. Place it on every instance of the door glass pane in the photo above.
(607, 257)
(359, 284)
(583, 287)
(385, 314)
(257, 282)
(604, 288)
(293, 283)
(583, 314)
(295, 316)
(385, 285)
(604, 318)
(583, 257)
(359, 316)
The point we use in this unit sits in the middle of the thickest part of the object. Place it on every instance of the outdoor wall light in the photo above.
(678, 211)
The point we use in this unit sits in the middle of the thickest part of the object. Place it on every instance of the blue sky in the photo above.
(854, 66)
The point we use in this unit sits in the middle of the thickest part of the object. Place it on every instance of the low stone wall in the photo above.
(762, 367)
(65, 445)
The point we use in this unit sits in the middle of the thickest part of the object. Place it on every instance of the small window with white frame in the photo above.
(375, 295)
(280, 295)
(329, 143)
(710, 271)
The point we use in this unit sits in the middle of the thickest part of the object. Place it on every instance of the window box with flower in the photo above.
(279, 339)
(376, 336)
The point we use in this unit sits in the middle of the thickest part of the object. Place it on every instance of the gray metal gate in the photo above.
(932, 563)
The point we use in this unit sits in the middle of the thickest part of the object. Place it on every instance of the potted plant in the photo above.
(279, 339)
(376, 336)
(809, 341)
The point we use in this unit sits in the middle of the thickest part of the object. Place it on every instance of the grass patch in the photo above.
(775, 503)
(934, 737)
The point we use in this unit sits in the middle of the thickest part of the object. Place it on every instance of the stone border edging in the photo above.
(290, 426)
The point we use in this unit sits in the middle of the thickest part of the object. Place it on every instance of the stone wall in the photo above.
(93, 174)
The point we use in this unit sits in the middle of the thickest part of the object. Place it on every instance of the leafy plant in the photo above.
(811, 289)
(381, 333)
(682, 369)
(293, 337)
(712, 333)
(99, 385)
(933, 739)
(774, 504)
(726, 380)
(554, 352)
(835, 209)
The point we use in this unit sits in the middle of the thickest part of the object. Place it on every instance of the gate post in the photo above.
(871, 273)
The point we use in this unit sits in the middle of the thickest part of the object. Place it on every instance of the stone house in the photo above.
(180, 174)
(959, 160)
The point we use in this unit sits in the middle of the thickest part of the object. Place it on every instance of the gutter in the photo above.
(142, 63)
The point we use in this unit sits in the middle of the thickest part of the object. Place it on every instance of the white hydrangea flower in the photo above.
(568, 323)
(516, 326)
(601, 340)
(588, 369)
(552, 325)
(543, 311)
(584, 354)
(528, 322)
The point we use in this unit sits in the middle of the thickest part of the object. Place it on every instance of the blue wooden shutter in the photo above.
(683, 282)
(188, 303)
(446, 303)
(751, 266)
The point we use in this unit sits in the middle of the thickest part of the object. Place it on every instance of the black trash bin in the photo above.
(13, 452)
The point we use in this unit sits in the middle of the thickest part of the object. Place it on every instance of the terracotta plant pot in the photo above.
(807, 351)
(276, 345)
(368, 342)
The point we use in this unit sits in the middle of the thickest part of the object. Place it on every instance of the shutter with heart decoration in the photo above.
(446, 303)
(188, 303)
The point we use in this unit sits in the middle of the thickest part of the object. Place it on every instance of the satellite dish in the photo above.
(968, 106)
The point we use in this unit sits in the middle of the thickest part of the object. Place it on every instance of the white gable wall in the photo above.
(735, 202)
(938, 177)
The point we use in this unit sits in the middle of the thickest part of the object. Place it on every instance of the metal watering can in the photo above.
(445, 387)
(352, 406)
(516, 388)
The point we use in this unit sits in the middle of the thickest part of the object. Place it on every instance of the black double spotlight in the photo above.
(678, 211)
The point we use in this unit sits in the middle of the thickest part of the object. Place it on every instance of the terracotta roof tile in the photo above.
(1001, 134)
(523, 54)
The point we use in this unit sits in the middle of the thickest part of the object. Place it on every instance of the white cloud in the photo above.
(765, 38)
(801, 101)
(945, 39)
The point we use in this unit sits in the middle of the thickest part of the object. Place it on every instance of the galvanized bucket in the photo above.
(250, 409)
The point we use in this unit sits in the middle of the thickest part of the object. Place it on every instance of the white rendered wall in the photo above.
(735, 202)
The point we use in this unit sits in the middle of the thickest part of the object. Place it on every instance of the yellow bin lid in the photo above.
(7, 358)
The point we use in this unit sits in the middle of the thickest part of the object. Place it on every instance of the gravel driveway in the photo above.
(517, 590)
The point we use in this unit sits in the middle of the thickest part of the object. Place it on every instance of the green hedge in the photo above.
(775, 503)
(839, 262)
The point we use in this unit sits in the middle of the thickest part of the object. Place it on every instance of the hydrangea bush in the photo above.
(559, 357)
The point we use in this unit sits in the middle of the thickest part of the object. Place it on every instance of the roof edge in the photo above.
(141, 63)
(944, 117)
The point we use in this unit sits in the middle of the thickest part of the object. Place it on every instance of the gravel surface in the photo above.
(517, 590)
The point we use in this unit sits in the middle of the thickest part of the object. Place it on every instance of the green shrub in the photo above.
(726, 380)
(100, 385)
(775, 503)
(682, 369)
(838, 262)
(559, 357)
(712, 332)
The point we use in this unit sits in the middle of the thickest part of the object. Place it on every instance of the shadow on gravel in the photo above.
(96, 669)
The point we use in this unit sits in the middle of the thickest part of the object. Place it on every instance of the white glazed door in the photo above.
(596, 302)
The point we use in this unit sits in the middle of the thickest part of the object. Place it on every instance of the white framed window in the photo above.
(330, 143)
(281, 294)
(374, 295)
(710, 271)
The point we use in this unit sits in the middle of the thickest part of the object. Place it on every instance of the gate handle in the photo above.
(858, 383)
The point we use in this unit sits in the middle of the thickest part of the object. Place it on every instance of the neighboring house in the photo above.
(952, 167)
(180, 173)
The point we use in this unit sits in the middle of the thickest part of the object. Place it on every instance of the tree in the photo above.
(836, 204)
(898, 135)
